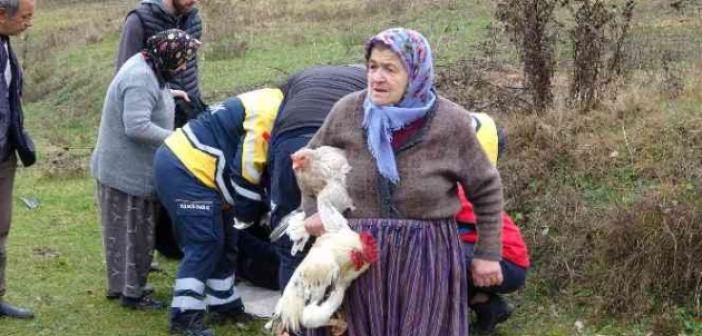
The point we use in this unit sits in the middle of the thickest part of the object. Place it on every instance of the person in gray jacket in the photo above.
(148, 18)
(15, 17)
(136, 117)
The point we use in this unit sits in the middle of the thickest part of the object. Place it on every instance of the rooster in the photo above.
(316, 289)
(321, 174)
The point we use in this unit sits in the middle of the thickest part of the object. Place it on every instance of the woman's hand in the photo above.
(486, 273)
(314, 226)
(180, 94)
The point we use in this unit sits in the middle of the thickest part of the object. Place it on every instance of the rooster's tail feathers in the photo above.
(282, 227)
(288, 311)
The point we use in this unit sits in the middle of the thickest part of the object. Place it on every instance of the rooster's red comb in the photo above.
(370, 247)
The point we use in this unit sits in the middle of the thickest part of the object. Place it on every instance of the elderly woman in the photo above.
(408, 149)
(136, 117)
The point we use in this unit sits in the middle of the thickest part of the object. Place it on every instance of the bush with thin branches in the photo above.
(531, 27)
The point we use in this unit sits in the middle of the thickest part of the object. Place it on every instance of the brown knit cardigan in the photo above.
(445, 151)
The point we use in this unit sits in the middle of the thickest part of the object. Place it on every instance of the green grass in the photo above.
(56, 267)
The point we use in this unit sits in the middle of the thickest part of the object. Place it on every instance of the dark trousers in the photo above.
(205, 276)
(285, 194)
(257, 259)
(7, 178)
(513, 276)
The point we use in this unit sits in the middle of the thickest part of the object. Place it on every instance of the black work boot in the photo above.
(14, 312)
(190, 323)
(237, 315)
(141, 303)
(489, 314)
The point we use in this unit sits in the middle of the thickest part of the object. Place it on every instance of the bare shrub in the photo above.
(485, 82)
(651, 251)
(481, 86)
(588, 47)
(543, 176)
(684, 6)
(605, 197)
(619, 33)
(598, 49)
(531, 27)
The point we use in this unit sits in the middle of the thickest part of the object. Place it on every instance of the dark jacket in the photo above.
(309, 96)
(16, 139)
(311, 93)
(150, 18)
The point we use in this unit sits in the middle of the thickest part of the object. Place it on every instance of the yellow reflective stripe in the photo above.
(487, 136)
(199, 163)
(221, 161)
(261, 107)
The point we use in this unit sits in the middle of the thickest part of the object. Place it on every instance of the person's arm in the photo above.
(249, 164)
(483, 188)
(132, 40)
(140, 99)
(249, 197)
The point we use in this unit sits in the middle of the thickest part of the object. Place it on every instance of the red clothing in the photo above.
(513, 247)
(399, 137)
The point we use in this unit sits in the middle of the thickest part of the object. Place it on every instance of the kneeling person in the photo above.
(193, 182)
(489, 307)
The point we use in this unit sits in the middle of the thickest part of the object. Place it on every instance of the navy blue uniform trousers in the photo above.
(205, 276)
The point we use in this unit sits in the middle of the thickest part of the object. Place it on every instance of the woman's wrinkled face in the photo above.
(387, 77)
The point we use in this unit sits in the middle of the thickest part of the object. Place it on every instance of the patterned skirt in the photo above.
(417, 286)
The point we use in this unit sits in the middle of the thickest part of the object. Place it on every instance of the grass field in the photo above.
(567, 188)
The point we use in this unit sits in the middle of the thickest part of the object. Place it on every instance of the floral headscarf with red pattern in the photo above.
(166, 51)
(419, 98)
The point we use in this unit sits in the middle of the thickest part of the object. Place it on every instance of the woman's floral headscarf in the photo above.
(419, 98)
(167, 50)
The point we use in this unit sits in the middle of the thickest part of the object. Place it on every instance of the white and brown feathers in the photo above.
(321, 175)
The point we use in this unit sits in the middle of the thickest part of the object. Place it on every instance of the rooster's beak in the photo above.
(295, 162)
